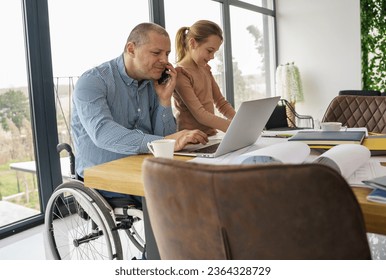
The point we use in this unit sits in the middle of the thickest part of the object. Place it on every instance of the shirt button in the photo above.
(139, 110)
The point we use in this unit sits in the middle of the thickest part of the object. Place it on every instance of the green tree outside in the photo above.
(13, 107)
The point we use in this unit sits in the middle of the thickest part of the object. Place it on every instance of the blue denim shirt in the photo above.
(114, 117)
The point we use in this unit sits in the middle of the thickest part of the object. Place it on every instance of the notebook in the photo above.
(329, 138)
(245, 128)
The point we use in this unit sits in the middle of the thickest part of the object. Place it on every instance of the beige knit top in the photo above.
(195, 96)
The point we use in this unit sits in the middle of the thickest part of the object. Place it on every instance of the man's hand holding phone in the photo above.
(166, 84)
(164, 77)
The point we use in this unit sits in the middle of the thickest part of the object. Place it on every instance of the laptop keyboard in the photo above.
(208, 150)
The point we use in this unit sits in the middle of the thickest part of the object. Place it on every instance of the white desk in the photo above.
(30, 167)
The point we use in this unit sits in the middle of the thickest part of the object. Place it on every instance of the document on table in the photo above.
(286, 152)
(231, 158)
(372, 169)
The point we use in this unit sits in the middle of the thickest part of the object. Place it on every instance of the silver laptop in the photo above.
(245, 128)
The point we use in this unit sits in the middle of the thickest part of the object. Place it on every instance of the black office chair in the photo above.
(285, 117)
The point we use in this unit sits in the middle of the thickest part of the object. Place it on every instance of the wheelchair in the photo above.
(80, 224)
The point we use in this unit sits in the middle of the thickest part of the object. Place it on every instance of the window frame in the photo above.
(228, 65)
(42, 98)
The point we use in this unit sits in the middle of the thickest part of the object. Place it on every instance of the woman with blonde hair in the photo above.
(197, 93)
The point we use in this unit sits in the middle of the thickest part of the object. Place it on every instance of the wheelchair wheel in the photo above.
(79, 226)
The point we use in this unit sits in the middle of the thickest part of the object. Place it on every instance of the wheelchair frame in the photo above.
(81, 224)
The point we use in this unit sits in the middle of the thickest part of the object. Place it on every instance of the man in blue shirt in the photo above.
(118, 106)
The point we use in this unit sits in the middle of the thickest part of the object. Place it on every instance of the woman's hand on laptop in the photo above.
(185, 137)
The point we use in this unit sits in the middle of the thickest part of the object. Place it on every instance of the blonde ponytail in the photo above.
(181, 43)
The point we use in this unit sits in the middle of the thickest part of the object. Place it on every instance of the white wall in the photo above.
(322, 37)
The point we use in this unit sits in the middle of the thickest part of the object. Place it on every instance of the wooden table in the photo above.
(122, 175)
(125, 176)
(373, 213)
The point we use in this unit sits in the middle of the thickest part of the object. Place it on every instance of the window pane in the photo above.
(261, 3)
(253, 54)
(85, 34)
(19, 192)
(174, 21)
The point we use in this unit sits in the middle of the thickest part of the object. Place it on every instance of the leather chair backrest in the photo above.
(358, 111)
(360, 92)
(200, 211)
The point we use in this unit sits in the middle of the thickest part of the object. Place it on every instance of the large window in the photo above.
(252, 54)
(64, 38)
(82, 38)
(251, 49)
(262, 3)
(174, 21)
(19, 192)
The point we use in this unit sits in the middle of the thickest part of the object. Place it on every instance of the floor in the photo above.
(29, 245)
(377, 246)
(12, 212)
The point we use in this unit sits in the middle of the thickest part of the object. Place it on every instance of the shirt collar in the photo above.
(126, 78)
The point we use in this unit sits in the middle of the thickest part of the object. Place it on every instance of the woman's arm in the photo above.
(222, 105)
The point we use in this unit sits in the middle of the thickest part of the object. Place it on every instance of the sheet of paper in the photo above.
(286, 152)
(348, 157)
(372, 169)
(262, 142)
(368, 169)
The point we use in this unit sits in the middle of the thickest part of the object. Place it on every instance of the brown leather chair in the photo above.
(358, 111)
(360, 92)
(200, 211)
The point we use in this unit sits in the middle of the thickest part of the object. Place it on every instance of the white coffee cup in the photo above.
(331, 126)
(162, 148)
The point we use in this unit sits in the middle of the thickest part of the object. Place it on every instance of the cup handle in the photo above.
(150, 147)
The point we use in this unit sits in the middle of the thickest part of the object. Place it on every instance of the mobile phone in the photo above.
(164, 77)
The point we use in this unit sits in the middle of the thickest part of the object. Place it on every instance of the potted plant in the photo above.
(289, 85)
